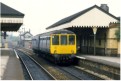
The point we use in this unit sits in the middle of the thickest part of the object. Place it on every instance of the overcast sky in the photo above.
(39, 14)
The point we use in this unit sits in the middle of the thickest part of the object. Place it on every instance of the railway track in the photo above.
(34, 69)
(74, 72)
(47, 65)
(79, 74)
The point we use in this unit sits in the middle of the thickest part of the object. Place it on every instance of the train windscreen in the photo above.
(71, 39)
(63, 39)
(55, 40)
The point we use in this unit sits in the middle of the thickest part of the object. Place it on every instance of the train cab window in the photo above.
(63, 39)
(71, 39)
(55, 40)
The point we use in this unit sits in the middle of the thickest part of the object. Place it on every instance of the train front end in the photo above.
(63, 46)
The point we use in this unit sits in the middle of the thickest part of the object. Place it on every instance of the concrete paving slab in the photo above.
(107, 60)
(11, 68)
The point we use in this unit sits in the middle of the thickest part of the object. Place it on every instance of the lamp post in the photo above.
(94, 31)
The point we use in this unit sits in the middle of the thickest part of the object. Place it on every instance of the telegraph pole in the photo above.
(19, 42)
(23, 36)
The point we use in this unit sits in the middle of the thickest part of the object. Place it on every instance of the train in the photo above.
(58, 46)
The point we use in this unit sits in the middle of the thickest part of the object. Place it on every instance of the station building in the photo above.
(25, 39)
(95, 28)
(10, 21)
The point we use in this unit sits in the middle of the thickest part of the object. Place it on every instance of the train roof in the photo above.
(61, 31)
(55, 32)
(58, 32)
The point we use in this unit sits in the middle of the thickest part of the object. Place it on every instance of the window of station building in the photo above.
(99, 41)
(55, 40)
(63, 39)
(71, 39)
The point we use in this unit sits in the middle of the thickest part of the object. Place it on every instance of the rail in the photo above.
(34, 69)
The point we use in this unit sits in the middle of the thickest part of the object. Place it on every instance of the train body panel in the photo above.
(60, 49)
(35, 42)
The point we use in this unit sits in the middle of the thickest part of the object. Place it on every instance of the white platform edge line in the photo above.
(16, 54)
(80, 57)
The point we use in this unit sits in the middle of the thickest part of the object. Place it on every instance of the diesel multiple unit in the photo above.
(59, 45)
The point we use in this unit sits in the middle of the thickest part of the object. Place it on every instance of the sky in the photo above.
(39, 14)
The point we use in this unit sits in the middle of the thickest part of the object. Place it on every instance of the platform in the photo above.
(11, 68)
(107, 60)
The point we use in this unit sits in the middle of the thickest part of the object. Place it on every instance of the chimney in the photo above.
(105, 7)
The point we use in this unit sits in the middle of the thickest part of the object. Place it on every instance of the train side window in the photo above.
(55, 40)
(71, 39)
(41, 42)
(63, 39)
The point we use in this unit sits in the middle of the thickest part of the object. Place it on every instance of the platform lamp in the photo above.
(94, 31)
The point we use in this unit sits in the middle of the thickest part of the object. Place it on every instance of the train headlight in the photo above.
(72, 51)
(55, 51)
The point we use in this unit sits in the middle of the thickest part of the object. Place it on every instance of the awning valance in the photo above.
(11, 20)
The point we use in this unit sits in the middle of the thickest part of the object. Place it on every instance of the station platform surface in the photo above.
(11, 68)
(107, 60)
